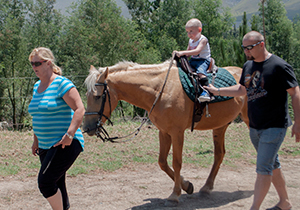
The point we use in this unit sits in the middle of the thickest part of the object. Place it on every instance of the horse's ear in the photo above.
(105, 73)
(92, 68)
(102, 77)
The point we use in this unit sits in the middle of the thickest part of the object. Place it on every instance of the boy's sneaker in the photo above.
(204, 96)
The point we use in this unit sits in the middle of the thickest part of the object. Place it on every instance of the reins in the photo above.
(100, 130)
(162, 88)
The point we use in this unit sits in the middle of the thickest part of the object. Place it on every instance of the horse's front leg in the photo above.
(219, 152)
(164, 148)
(177, 141)
(165, 145)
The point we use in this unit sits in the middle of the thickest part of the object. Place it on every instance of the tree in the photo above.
(141, 12)
(44, 25)
(13, 45)
(295, 49)
(217, 23)
(162, 23)
(97, 34)
(244, 26)
(255, 23)
(263, 19)
(278, 28)
(25, 24)
(239, 55)
(215, 19)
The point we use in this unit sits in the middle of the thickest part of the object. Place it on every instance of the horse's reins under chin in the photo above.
(100, 130)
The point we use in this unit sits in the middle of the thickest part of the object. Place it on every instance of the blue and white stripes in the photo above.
(51, 115)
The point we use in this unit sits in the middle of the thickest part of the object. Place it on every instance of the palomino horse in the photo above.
(172, 115)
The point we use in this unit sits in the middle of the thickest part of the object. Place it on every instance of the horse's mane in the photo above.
(92, 78)
(125, 65)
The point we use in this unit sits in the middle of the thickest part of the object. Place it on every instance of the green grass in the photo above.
(16, 158)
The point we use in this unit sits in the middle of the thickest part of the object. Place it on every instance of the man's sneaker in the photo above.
(204, 97)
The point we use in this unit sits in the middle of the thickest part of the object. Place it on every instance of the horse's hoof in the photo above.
(190, 189)
(204, 193)
(205, 190)
(171, 203)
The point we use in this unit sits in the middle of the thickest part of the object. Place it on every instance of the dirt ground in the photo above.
(141, 187)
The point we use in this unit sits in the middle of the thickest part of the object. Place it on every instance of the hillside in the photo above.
(62, 5)
(238, 7)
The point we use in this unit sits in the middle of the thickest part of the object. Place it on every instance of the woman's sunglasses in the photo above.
(37, 63)
(249, 47)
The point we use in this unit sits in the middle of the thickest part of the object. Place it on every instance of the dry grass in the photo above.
(16, 158)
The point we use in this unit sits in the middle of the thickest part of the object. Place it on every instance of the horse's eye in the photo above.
(97, 97)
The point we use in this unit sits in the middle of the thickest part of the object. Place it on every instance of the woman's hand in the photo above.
(65, 141)
(35, 146)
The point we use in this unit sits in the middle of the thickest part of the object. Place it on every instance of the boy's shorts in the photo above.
(200, 65)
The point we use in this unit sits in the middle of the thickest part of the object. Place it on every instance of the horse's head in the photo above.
(98, 100)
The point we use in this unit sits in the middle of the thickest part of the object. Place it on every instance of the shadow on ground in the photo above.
(197, 201)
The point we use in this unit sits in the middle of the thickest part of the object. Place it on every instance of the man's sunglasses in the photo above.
(249, 47)
(37, 63)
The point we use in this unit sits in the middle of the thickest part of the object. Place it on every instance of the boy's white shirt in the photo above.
(205, 52)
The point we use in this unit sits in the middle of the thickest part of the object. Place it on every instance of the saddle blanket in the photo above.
(223, 79)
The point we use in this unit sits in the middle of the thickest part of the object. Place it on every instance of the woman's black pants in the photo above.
(54, 164)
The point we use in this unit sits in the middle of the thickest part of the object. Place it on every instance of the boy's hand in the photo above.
(178, 53)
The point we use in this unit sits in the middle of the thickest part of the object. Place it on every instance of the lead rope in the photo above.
(162, 88)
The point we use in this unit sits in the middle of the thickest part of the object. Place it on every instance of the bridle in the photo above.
(100, 131)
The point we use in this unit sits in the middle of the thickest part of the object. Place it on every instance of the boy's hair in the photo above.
(194, 22)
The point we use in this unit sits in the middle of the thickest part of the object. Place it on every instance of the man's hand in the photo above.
(296, 131)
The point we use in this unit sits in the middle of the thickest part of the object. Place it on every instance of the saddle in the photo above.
(198, 107)
(212, 66)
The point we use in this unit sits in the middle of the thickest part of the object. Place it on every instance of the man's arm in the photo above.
(295, 95)
(235, 90)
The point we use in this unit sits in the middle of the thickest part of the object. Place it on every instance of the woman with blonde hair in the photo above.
(57, 112)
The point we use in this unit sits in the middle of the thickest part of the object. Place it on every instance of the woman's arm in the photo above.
(72, 98)
(35, 145)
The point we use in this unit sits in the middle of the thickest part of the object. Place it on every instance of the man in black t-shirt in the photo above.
(266, 79)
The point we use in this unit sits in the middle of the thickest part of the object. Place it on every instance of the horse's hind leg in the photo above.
(219, 152)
